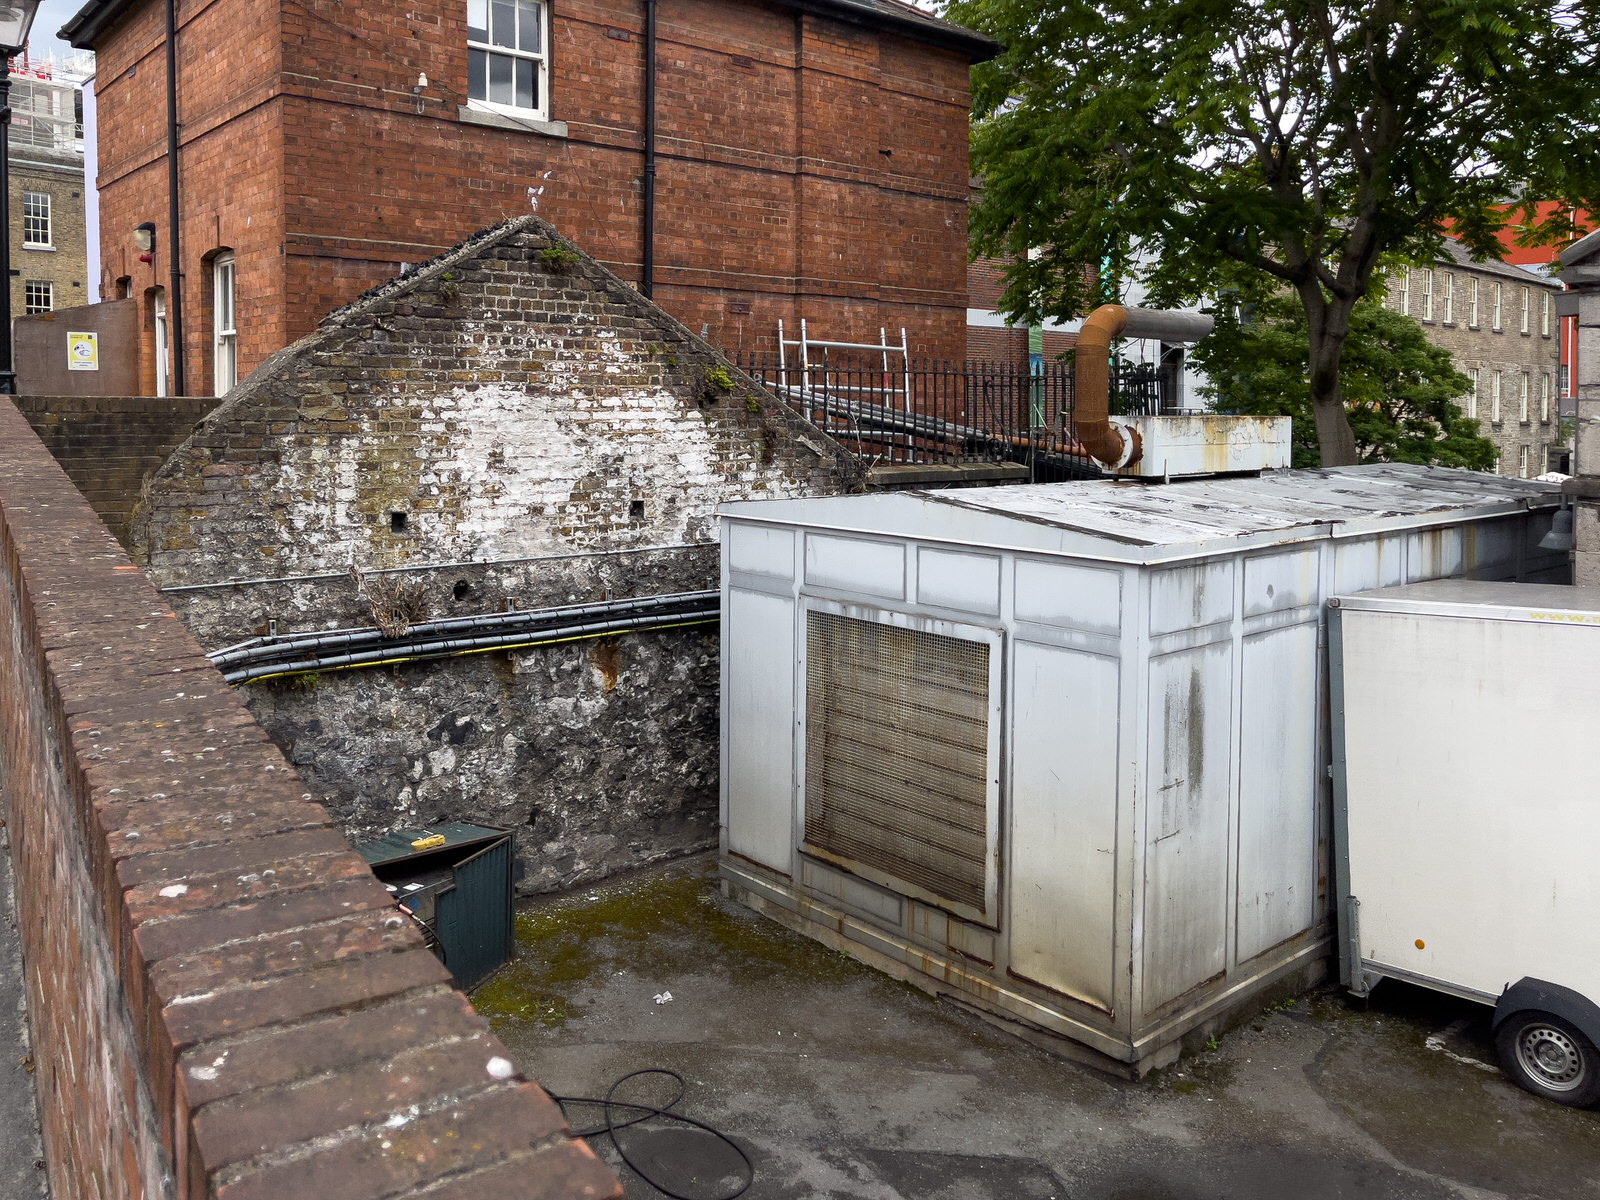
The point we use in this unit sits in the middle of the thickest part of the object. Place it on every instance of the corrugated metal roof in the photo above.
(393, 846)
(1133, 521)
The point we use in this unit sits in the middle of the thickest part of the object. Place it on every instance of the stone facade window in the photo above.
(1526, 309)
(1496, 325)
(1495, 387)
(1472, 392)
(508, 67)
(1472, 303)
(36, 222)
(1544, 315)
(1405, 292)
(38, 296)
(1544, 398)
(1522, 462)
(225, 337)
(1522, 407)
(1448, 298)
(1427, 295)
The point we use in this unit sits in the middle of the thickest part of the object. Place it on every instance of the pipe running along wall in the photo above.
(271, 657)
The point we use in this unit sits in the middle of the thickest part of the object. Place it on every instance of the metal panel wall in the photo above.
(1064, 820)
(1186, 821)
(474, 917)
(1277, 788)
(758, 721)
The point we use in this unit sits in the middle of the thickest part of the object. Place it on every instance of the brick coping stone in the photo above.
(225, 1001)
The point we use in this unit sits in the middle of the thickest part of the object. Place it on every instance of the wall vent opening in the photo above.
(897, 752)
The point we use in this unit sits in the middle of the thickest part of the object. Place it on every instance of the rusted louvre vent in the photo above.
(897, 742)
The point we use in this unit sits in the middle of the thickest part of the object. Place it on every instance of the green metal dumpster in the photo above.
(460, 889)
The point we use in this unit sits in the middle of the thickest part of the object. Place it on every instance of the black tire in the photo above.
(1545, 1055)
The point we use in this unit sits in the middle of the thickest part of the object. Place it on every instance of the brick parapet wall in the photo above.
(225, 1002)
(109, 445)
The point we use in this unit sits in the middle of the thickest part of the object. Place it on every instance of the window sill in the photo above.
(38, 246)
(477, 116)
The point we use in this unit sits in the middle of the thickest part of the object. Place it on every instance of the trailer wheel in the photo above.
(1548, 1057)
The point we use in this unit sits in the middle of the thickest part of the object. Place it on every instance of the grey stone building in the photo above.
(1499, 323)
(49, 242)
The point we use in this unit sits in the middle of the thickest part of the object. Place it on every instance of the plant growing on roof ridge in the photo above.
(449, 287)
(558, 259)
(1308, 143)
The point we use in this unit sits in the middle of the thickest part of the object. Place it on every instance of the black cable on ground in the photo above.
(648, 1112)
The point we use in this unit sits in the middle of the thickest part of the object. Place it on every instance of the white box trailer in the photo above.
(1059, 751)
(1467, 811)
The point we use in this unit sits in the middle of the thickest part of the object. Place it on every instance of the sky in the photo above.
(53, 14)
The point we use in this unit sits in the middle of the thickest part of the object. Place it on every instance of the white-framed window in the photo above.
(158, 313)
(1544, 315)
(1526, 309)
(1405, 292)
(508, 63)
(36, 221)
(1472, 303)
(1449, 298)
(38, 296)
(1495, 386)
(1472, 392)
(1522, 462)
(224, 337)
(1496, 325)
(1427, 295)
(1522, 407)
(1544, 398)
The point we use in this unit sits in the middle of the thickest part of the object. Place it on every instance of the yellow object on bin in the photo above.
(428, 843)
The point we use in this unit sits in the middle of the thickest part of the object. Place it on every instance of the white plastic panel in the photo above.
(756, 550)
(1277, 787)
(1280, 581)
(1189, 597)
(857, 565)
(1364, 563)
(1433, 553)
(1070, 597)
(949, 579)
(758, 633)
(1473, 822)
(1186, 821)
(1064, 820)
(852, 893)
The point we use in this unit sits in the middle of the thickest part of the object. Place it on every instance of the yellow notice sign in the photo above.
(83, 351)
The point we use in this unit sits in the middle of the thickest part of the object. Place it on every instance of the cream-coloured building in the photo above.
(49, 243)
(1499, 323)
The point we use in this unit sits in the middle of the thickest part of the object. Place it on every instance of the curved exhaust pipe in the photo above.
(1118, 446)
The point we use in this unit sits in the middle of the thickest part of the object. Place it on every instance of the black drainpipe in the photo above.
(648, 284)
(175, 291)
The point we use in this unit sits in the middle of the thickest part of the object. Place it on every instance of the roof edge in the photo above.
(85, 26)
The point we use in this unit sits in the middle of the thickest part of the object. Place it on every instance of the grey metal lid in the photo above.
(394, 846)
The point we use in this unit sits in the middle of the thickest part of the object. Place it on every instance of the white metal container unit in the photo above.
(1466, 813)
(1057, 750)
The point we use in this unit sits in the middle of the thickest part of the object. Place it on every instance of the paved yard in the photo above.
(841, 1082)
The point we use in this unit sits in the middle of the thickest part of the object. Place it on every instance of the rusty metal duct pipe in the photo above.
(1117, 446)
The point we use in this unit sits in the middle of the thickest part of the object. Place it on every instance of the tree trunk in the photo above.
(1328, 323)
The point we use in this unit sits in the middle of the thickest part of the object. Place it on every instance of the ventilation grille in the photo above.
(897, 752)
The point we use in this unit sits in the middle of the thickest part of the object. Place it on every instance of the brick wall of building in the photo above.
(224, 1000)
(1479, 348)
(506, 429)
(806, 167)
(109, 445)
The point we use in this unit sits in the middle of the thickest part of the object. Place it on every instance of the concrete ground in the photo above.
(21, 1158)
(840, 1082)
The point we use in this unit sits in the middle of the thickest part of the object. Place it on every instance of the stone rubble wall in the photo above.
(513, 407)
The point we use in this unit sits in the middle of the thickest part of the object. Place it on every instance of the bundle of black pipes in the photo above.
(302, 653)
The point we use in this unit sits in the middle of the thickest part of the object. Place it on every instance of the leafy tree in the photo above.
(1399, 389)
(1308, 143)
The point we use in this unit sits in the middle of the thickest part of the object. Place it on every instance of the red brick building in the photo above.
(810, 157)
